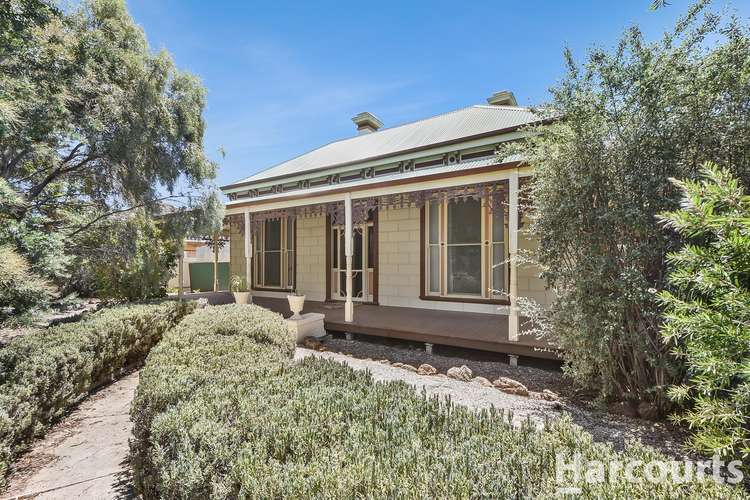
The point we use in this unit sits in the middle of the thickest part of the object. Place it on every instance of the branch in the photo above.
(115, 212)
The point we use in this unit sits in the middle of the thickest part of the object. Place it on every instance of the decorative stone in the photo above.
(308, 325)
(510, 386)
(397, 365)
(462, 373)
(384, 362)
(425, 369)
(648, 411)
(409, 368)
(482, 381)
(550, 395)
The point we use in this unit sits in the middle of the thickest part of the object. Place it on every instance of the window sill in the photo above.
(465, 300)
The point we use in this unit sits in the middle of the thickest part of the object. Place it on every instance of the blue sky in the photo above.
(286, 77)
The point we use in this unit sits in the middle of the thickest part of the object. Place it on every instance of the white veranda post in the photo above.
(513, 252)
(349, 307)
(248, 250)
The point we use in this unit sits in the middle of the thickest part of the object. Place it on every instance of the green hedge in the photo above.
(43, 373)
(222, 411)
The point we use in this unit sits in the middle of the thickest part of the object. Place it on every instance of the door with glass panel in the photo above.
(363, 262)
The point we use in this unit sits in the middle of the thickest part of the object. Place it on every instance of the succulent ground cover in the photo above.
(44, 373)
(222, 411)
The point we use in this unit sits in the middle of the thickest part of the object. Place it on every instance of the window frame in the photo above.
(487, 244)
(286, 251)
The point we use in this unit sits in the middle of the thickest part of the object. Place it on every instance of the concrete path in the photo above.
(85, 455)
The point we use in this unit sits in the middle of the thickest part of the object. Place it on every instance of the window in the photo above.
(274, 256)
(465, 251)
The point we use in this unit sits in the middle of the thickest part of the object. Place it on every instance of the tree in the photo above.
(708, 311)
(92, 123)
(626, 121)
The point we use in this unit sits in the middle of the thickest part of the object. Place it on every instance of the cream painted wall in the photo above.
(311, 257)
(399, 265)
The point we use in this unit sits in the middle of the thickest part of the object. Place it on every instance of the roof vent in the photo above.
(503, 98)
(366, 123)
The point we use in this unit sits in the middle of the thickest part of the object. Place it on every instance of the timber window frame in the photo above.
(275, 255)
(442, 245)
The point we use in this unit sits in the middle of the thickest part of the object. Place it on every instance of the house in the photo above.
(408, 232)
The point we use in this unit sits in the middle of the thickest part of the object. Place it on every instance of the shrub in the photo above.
(634, 116)
(20, 289)
(708, 311)
(45, 372)
(222, 411)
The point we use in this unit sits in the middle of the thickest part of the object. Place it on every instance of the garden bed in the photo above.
(222, 410)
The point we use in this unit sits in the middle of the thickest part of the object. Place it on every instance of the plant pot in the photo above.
(296, 303)
(242, 297)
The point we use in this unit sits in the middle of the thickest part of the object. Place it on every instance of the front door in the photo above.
(363, 262)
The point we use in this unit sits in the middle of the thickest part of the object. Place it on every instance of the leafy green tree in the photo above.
(129, 259)
(93, 125)
(708, 311)
(20, 289)
(624, 122)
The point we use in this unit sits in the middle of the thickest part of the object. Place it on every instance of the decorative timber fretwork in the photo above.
(493, 193)
(458, 157)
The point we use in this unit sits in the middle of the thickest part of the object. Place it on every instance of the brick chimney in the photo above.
(367, 123)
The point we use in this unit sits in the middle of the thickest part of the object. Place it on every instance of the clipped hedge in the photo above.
(222, 411)
(45, 372)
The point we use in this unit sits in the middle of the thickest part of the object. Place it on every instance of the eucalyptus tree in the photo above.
(628, 120)
(93, 123)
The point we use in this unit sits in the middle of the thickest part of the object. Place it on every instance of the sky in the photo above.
(284, 78)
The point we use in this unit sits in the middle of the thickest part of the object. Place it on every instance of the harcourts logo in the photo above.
(571, 471)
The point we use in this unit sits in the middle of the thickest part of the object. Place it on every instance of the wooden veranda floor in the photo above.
(488, 332)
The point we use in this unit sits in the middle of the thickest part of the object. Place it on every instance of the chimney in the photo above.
(366, 123)
(502, 98)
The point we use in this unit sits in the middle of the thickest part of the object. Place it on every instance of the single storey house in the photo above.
(408, 231)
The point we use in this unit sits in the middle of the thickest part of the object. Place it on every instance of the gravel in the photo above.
(604, 427)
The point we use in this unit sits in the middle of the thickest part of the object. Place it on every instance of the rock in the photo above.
(510, 386)
(550, 395)
(425, 369)
(397, 365)
(409, 368)
(463, 373)
(322, 348)
(482, 381)
(648, 411)
(384, 362)
(622, 408)
(311, 343)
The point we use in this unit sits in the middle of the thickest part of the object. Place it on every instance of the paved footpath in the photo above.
(85, 455)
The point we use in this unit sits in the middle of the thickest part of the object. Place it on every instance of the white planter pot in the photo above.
(242, 297)
(296, 303)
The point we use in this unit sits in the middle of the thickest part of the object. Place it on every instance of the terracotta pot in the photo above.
(296, 303)
(242, 297)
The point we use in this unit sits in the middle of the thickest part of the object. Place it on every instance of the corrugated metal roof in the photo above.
(465, 122)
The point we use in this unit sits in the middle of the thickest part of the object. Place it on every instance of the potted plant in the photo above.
(238, 285)
(296, 303)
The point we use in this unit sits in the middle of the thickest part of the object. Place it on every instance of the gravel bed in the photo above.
(604, 427)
